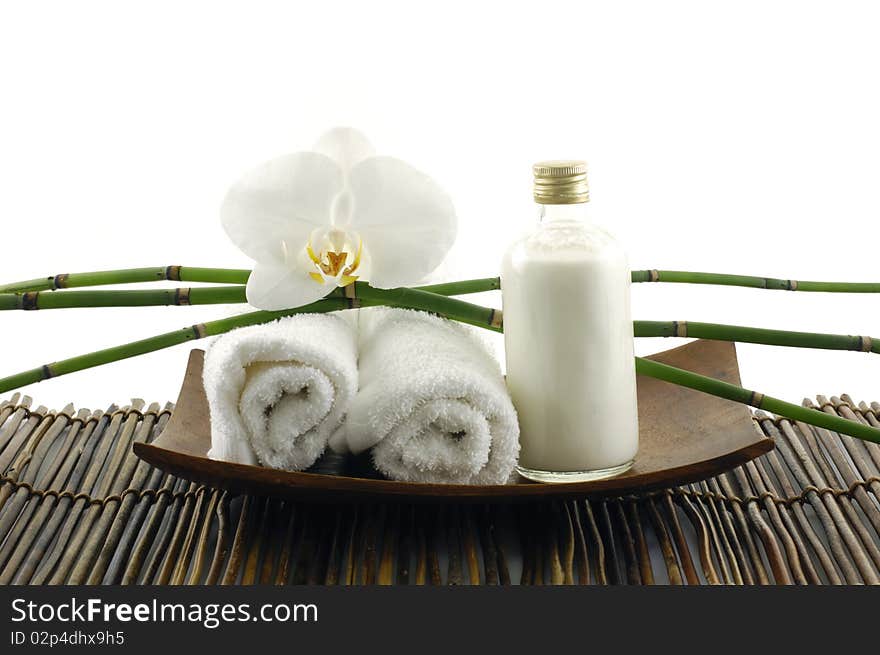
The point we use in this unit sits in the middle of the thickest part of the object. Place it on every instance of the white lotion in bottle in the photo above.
(568, 337)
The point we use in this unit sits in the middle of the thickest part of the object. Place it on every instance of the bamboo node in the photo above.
(181, 296)
(867, 344)
(792, 285)
(29, 300)
(681, 328)
(172, 273)
(654, 275)
(496, 318)
(60, 281)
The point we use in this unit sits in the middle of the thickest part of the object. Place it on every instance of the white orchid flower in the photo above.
(314, 221)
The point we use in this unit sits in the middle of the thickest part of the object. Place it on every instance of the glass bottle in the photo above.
(569, 337)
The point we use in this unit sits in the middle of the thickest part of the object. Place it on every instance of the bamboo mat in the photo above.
(76, 506)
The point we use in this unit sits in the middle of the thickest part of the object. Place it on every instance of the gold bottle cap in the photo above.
(562, 182)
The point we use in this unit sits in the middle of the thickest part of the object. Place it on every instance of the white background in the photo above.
(736, 137)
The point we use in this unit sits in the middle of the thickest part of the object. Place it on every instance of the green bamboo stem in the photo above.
(719, 332)
(129, 276)
(240, 276)
(31, 300)
(723, 279)
(737, 394)
(427, 301)
(355, 295)
(230, 294)
(463, 287)
(235, 294)
(159, 342)
(362, 295)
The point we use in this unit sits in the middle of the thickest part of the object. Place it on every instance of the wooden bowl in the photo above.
(684, 436)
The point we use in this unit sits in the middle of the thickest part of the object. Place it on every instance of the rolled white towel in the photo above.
(278, 392)
(432, 402)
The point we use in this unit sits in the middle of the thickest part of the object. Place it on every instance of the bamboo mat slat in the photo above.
(76, 506)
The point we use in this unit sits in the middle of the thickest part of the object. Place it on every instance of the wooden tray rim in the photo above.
(243, 478)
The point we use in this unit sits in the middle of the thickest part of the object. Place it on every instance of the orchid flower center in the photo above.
(335, 254)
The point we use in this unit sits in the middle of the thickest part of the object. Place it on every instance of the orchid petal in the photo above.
(407, 222)
(346, 146)
(272, 287)
(270, 212)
